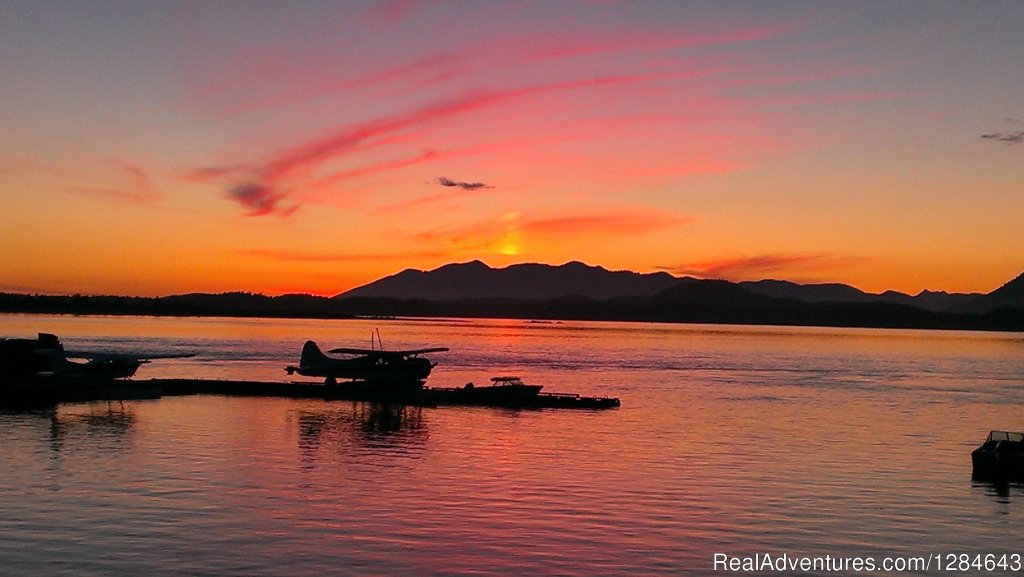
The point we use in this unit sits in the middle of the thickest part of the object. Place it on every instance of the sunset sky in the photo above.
(153, 148)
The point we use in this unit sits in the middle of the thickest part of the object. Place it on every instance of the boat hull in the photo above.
(991, 463)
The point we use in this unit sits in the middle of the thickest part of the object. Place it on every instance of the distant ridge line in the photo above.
(576, 291)
(477, 280)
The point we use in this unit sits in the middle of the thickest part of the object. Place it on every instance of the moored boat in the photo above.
(1000, 457)
(509, 391)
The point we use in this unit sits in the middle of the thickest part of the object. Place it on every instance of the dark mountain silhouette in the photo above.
(476, 280)
(523, 281)
(577, 291)
(1010, 295)
(1013, 290)
(811, 293)
(930, 300)
(841, 293)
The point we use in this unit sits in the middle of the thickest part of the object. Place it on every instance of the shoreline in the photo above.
(1011, 321)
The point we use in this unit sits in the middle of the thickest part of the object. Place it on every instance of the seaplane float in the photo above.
(41, 371)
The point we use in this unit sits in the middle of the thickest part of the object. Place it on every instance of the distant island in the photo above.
(576, 291)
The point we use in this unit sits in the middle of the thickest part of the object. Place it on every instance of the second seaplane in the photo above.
(43, 360)
(399, 368)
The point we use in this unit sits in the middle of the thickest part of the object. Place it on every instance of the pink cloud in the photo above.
(336, 178)
(315, 188)
(129, 183)
(275, 76)
(294, 174)
(344, 140)
(744, 268)
(264, 187)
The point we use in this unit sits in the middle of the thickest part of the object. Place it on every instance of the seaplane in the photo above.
(44, 360)
(398, 368)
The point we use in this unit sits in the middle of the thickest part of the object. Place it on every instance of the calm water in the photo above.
(736, 440)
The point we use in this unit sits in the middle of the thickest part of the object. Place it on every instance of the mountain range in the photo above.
(580, 292)
(575, 280)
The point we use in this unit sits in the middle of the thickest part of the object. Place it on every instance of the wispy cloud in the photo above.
(126, 183)
(314, 170)
(1016, 137)
(454, 193)
(445, 181)
(264, 187)
(748, 267)
(1009, 137)
(315, 152)
(317, 188)
(261, 200)
(341, 176)
(262, 77)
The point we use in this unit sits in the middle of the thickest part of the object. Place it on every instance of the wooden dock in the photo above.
(13, 396)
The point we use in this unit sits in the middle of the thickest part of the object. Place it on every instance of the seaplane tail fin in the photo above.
(310, 359)
(311, 355)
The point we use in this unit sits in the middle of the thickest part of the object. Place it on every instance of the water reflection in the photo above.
(1002, 490)
(732, 440)
(112, 424)
(376, 427)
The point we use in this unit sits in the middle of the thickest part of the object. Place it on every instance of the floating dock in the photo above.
(41, 395)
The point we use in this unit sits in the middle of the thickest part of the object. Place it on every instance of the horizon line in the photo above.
(25, 291)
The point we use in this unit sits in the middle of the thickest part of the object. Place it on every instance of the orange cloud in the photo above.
(744, 268)
(506, 234)
(613, 223)
(300, 256)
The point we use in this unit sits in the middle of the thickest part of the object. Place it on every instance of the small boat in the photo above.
(1000, 457)
(502, 389)
(512, 392)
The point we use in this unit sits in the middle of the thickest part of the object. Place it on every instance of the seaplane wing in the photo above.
(95, 356)
(378, 352)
